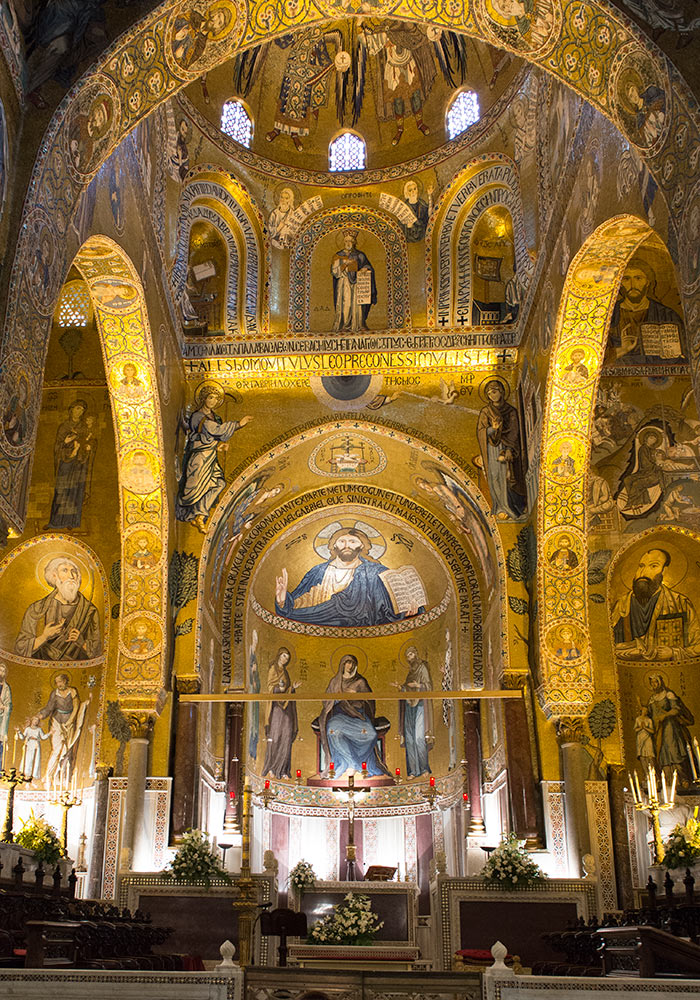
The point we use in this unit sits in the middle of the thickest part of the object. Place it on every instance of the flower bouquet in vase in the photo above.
(350, 922)
(511, 866)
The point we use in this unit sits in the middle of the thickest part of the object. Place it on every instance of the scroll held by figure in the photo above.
(354, 285)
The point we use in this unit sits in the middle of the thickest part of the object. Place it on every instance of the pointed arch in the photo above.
(487, 181)
(119, 305)
(594, 38)
(489, 659)
(588, 298)
(211, 194)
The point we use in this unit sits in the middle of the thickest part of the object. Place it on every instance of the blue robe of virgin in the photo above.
(365, 601)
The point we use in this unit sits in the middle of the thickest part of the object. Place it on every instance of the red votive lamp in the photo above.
(331, 767)
(298, 774)
(432, 781)
(232, 796)
(364, 765)
(398, 772)
(267, 783)
(465, 796)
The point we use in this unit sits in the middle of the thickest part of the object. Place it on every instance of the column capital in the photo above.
(188, 683)
(514, 681)
(570, 729)
(103, 771)
(141, 724)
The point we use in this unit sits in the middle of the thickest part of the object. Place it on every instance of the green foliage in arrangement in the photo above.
(682, 849)
(195, 862)
(38, 836)
(511, 866)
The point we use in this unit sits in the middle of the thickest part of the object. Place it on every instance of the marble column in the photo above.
(522, 788)
(184, 757)
(575, 766)
(471, 714)
(141, 726)
(99, 832)
(234, 770)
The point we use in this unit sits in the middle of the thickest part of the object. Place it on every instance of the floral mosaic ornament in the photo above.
(590, 292)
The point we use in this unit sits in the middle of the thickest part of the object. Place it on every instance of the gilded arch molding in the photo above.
(485, 671)
(211, 194)
(120, 310)
(587, 302)
(589, 45)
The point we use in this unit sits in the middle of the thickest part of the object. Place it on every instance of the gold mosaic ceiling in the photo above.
(324, 79)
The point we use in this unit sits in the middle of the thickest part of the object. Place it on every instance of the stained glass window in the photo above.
(74, 304)
(347, 152)
(462, 113)
(236, 122)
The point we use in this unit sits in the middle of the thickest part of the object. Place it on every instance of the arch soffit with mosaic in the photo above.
(587, 45)
(583, 320)
(334, 220)
(122, 320)
(485, 183)
(205, 613)
(212, 193)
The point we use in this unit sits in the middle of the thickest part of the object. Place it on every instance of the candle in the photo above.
(398, 772)
(331, 767)
(232, 796)
(267, 783)
(639, 790)
(465, 796)
(24, 753)
(663, 787)
(298, 773)
(691, 758)
(432, 781)
(673, 787)
(696, 746)
(364, 765)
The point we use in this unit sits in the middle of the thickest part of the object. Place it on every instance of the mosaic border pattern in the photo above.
(588, 298)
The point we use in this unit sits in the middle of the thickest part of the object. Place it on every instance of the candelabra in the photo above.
(268, 794)
(66, 798)
(650, 802)
(430, 793)
(11, 777)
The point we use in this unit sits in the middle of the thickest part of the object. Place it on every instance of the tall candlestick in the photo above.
(696, 748)
(691, 758)
(663, 786)
(245, 829)
(24, 753)
(673, 787)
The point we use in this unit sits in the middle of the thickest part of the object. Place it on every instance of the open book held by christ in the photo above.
(405, 588)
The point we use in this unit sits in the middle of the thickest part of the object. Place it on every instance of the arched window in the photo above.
(74, 305)
(236, 122)
(347, 152)
(462, 113)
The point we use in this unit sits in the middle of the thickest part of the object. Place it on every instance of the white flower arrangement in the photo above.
(351, 922)
(511, 866)
(302, 876)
